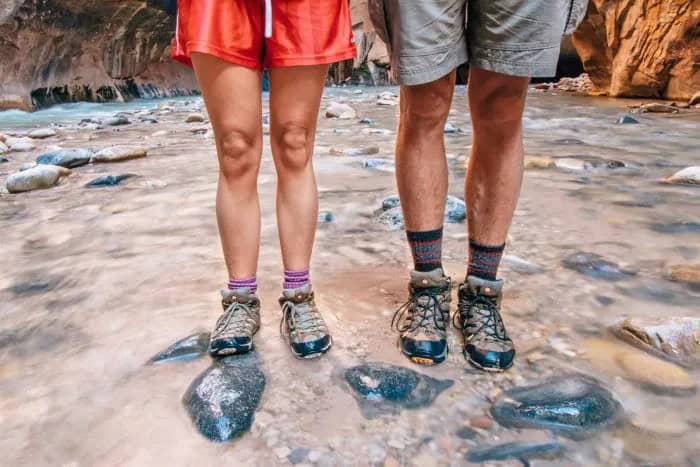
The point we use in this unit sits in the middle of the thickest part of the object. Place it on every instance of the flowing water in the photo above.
(94, 282)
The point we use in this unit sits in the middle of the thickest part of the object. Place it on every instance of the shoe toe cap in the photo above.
(433, 349)
(230, 345)
(312, 347)
(490, 359)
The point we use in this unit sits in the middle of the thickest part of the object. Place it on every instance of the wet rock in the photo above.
(387, 98)
(674, 338)
(194, 118)
(593, 265)
(647, 371)
(326, 217)
(353, 152)
(117, 120)
(33, 287)
(93, 121)
(367, 121)
(381, 388)
(380, 164)
(591, 164)
(375, 131)
(626, 119)
(657, 107)
(687, 176)
(149, 120)
(159, 133)
(118, 154)
(467, 433)
(681, 227)
(108, 180)
(41, 176)
(4, 148)
(539, 162)
(573, 406)
(455, 210)
(569, 141)
(41, 133)
(340, 111)
(686, 273)
(27, 166)
(515, 450)
(189, 348)
(20, 144)
(390, 202)
(451, 128)
(521, 265)
(4, 159)
(68, 158)
(392, 216)
(481, 422)
(695, 99)
(298, 455)
(222, 400)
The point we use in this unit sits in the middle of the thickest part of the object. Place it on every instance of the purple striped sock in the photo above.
(296, 279)
(250, 283)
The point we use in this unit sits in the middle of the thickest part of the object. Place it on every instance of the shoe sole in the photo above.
(422, 360)
(486, 368)
(232, 351)
(311, 356)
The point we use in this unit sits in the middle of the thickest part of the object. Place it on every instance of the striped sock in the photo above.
(250, 283)
(484, 260)
(296, 279)
(426, 248)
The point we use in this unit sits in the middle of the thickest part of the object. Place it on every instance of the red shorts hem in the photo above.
(209, 49)
(321, 59)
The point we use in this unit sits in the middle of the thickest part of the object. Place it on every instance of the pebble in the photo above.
(626, 119)
(149, 120)
(574, 406)
(282, 452)
(108, 180)
(41, 176)
(686, 273)
(390, 202)
(118, 154)
(591, 163)
(382, 388)
(20, 144)
(539, 162)
(222, 400)
(481, 422)
(450, 128)
(392, 217)
(117, 120)
(521, 266)
(159, 133)
(681, 227)
(340, 111)
(189, 348)
(657, 107)
(326, 217)
(69, 158)
(466, 433)
(41, 133)
(194, 118)
(380, 164)
(367, 121)
(515, 450)
(354, 152)
(4, 148)
(593, 265)
(298, 455)
(687, 176)
(4, 159)
(673, 338)
(386, 102)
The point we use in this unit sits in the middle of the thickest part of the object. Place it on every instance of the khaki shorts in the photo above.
(430, 38)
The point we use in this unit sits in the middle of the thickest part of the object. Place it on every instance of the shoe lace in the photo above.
(237, 317)
(421, 316)
(300, 316)
(492, 327)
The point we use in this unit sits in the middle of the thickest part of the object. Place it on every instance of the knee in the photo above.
(237, 153)
(425, 108)
(500, 99)
(292, 142)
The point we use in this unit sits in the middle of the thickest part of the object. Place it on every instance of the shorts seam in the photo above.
(318, 59)
(516, 48)
(208, 48)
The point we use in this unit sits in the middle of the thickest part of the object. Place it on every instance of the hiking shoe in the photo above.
(486, 342)
(302, 324)
(234, 329)
(422, 321)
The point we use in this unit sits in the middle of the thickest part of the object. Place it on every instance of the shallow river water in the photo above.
(94, 282)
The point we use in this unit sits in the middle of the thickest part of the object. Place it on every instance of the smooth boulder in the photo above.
(674, 338)
(593, 265)
(687, 176)
(41, 133)
(35, 178)
(340, 111)
(68, 158)
(189, 348)
(119, 153)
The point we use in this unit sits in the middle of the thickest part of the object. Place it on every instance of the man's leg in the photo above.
(232, 96)
(295, 97)
(492, 187)
(421, 174)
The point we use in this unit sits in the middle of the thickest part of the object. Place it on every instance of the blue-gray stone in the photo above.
(593, 265)
(682, 227)
(189, 348)
(626, 119)
(467, 433)
(326, 217)
(298, 455)
(381, 164)
(392, 218)
(68, 158)
(455, 210)
(222, 400)
(117, 120)
(108, 180)
(149, 120)
(515, 450)
(367, 121)
(390, 202)
(392, 215)
(569, 141)
(380, 388)
(3, 159)
(573, 406)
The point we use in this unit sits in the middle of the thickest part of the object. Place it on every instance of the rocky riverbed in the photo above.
(117, 258)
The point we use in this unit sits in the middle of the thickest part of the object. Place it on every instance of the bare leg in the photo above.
(232, 96)
(421, 166)
(295, 96)
(495, 169)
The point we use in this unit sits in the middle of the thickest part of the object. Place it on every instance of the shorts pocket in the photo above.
(577, 11)
(377, 13)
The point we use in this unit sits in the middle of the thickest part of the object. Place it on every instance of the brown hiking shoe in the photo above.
(486, 342)
(235, 328)
(302, 324)
(422, 321)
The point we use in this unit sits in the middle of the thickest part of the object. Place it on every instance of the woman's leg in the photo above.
(295, 96)
(232, 96)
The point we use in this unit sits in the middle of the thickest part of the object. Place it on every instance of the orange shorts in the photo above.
(265, 33)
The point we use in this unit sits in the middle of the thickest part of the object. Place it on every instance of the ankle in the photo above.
(251, 283)
(426, 249)
(484, 260)
(296, 279)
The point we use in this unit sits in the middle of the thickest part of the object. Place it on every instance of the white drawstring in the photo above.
(268, 18)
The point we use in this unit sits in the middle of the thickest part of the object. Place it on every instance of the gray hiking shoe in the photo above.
(234, 330)
(302, 324)
(486, 342)
(422, 321)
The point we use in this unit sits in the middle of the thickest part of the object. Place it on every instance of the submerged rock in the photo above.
(521, 265)
(593, 265)
(673, 338)
(626, 119)
(538, 162)
(41, 176)
(119, 153)
(189, 348)
(3, 148)
(117, 120)
(392, 215)
(194, 118)
(381, 388)
(353, 152)
(591, 164)
(686, 273)
(392, 218)
(455, 210)
(340, 111)
(326, 217)
(515, 450)
(108, 180)
(69, 158)
(41, 133)
(380, 164)
(687, 176)
(20, 144)
(682, 227)
(573, 406)
(390, 202)
(222, 400)
(451, 128)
